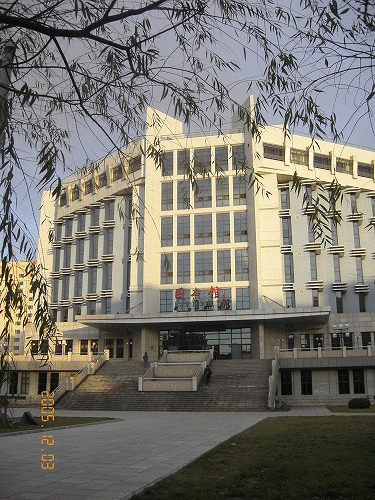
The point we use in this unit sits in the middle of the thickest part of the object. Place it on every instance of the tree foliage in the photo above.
(94, 66)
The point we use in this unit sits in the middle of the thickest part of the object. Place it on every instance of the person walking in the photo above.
(145, 358)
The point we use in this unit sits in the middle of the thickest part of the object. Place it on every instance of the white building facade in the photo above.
(194, 255)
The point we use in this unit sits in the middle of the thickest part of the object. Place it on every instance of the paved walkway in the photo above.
(113, 461)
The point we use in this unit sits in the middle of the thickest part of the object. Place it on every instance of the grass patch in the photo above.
(345, 409)
(294, 458)
(16, 425)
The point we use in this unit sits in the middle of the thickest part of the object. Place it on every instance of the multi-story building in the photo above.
(193, 254)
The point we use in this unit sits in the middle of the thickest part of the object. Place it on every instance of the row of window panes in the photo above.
(92, 307)
(25, 382)
(343, 380)
(200, 161)
(290, 300)
(203, 193)
(92, 274)
(169, 303)
(203, 233)
(109, 213)
(204, 267)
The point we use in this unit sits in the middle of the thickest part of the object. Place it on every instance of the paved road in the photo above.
(112, 461)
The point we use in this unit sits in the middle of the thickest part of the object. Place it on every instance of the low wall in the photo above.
(187, 356)
(328, 400)
(175, 370)
(171, 384)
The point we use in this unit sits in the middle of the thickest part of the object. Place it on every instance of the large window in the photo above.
(92, 279)
(335, 240)
(167, 164)
(344, 165)
(183, 195)
(242, 264)
(80, 250)
(107, 275)
(284, 198)
(166, 268)
(306, 382)
(65, 287)
(362, 302)
(223, 265)
(25, 382)
(167, 231)
(222, 192)
(242, 298)
(108, 241)
(117, 173)
(94, 244)
(358, 381)
(273, 152)
(222, 228)
(67, 255)
(183, 230)
(167, 196)
(94, 216)
(287, 230)
(339, 303)
(203, 267)
(58, 231)
(202, 229)
(366, 170)
(322, 161)
(68, 227)
(290, 298)
(359, 269)
(299, 156)
(240, 226)
(313, 267)
(78, 283)
(239, 190)
(203, 195)
(343, 381)
(102, 180)
(357, 241)
(202, 160)
(288, 268)
(238, 158)
(55, 290)
(336, 268)
(135, 163)
(183, 162)
(88, 187)
(57, 259)
(166, 301)
(109, 210)
(221, 159)
(42, 382)
(81, 222)
(183, 267)
(286, 382)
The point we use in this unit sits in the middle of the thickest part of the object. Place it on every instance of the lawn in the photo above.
(285, 458)
(16, 426)
(345, 409)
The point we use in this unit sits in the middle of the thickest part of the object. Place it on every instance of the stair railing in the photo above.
(273, 379)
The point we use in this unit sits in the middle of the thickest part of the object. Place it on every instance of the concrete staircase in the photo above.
(236, 385)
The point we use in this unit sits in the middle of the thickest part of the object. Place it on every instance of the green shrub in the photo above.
(359, 403)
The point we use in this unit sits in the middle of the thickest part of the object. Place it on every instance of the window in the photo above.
(203, 267)
(336, 269)
(167, 164)
(222, 192)
(92, 279)
(81, 222)
(67, 255)
(223, 265)
(183, 267)
(202, 160)
(203, 195)
(313, 267)
(95, 216)
(222, 228)
(366, 338)
(57, 258)
(54, 381)
(357, 241)
(284, 198)
(353, 203)
(13, 383)
(25, 382)
(68, 227)
(106, 305)
(221, 159)
(107, 275)
(166, 301)
(273, 152)
(117, 173)
(239, 190)
(306, 382)
(315, 298)
(44, 347)
(58, 231)
(365, 170)
(84, 347)
(167, 196)
(94, 346)
(109, 210)
(240, 226)
(64, 314)
(286, 382)
(42, 382)
(373, 206)
(358, 381)
(166, 272)
(53, 313)
(167, 231)
(290, 341)
(310, 230)
(362, 302)
(91, 307)
(242, 298)
(94, 244)
(80, 250)
(135, 163)
(305, 341)
(242, 264)
(65, 287)
(34, 348)
(307, 197)
(334, 233)
(183, 195)
(202, 229)
(183, 230)
(88, 187)
(339, 303)
(75, 193)
(299, 156)
(183, 162)
(68, 346)
(63, 199)
(288, 268)
(287, 230)
(108, 241)
(345, 166)
(55, 290)
(322, 161)
(238, 158)
(359, 269)
(343, 380)
(59, 348)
